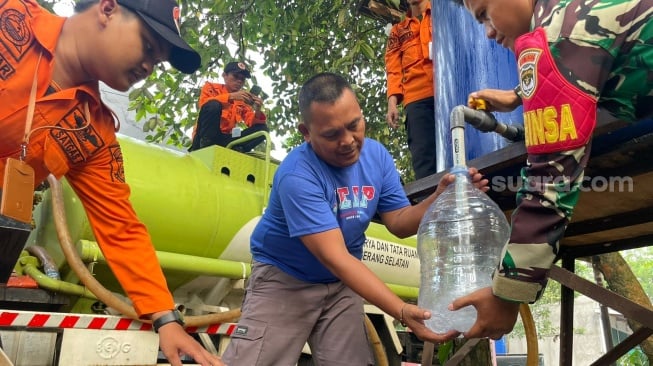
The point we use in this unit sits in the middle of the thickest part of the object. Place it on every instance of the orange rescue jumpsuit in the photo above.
(233, 112)
(408, 67)
(90, 159)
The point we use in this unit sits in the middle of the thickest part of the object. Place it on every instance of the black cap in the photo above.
(237, 68)
(163, 17)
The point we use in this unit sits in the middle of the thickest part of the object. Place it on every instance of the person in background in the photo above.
(409, 71)
(308, 282)
(227, 112)
(572, 57)
(53, 120)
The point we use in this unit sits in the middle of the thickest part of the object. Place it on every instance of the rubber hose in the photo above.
(377, 346)
(532, 350)
(104, 295)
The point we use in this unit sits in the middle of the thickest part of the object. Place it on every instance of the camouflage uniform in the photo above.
(605, 48)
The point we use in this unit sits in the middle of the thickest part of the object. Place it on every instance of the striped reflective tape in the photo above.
(29, 319)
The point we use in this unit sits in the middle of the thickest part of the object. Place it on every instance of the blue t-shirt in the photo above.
(309, 196)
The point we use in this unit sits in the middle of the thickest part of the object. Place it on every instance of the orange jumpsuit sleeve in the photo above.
(213, 91)
(122, 237)
(393, 68)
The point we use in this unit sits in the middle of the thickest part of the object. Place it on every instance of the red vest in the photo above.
(557, 115)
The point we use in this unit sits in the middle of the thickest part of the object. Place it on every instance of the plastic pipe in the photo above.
(485, 122)
(89, 251)
(46, 260)
(457, 127)
(30, 268)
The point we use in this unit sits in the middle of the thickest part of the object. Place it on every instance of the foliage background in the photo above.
(288, 41)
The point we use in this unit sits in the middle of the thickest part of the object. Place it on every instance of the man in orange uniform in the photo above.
(409, 70)
(52, 65)
(227, 112)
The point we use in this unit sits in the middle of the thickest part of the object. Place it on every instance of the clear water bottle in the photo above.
(459, 243)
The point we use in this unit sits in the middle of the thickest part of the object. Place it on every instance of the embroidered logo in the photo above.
(527, 64)
(78, 139)
(117, 167)
(15, 32)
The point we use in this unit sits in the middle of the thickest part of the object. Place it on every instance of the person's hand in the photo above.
(476, 178)
(495, 316)
(414, 316)
(256, 102)
(478, 181)
(174, 341)
(245, 96)
(393, 112)
(242, 95)
(497, 100)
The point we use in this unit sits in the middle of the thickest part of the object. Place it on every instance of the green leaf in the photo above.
(444, 351)
(367, 50)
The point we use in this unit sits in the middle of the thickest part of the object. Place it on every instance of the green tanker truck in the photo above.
(200, 209)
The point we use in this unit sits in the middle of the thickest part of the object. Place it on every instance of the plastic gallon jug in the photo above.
(459, 243)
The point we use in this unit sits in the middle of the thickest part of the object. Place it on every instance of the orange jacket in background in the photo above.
(90, 159)
(409, 70)
(233, 112)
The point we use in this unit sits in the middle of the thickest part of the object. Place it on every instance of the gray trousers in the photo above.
(280, 314)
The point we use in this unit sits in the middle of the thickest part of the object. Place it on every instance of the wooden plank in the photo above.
(459, 356)
(622, 348)
(616, 201)
(629, 309)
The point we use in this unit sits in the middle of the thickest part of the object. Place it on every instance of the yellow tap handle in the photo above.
(477, 103)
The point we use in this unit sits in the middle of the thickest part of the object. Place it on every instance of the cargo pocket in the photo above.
(54, 159)
(246, 343)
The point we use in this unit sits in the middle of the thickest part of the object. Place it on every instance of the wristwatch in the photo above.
(173, 316)
(517, 91)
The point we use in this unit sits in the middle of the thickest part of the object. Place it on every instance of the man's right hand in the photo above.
(495, 316)
(497, 100)
(393, 112)
(174, 342)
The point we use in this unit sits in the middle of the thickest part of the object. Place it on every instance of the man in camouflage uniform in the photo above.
(573, 56)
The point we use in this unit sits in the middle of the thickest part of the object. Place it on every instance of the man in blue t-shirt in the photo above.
(307, 282)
